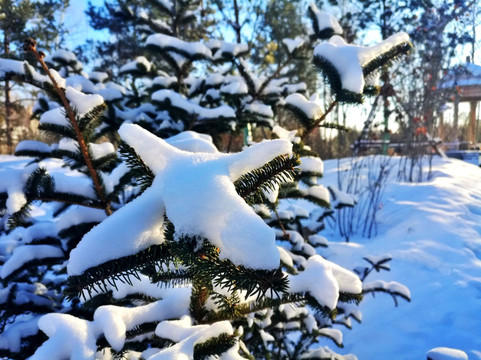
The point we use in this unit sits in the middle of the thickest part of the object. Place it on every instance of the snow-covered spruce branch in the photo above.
(251, 185)
(319, 121)
(318, 194)
(309, 113)
(347, 78)
(247, 78)
(138, 169)
(22, 297)
(138, 332)
(97, 279)
(324, 25)
(215, 345)
(392, 288)
(40, 186)
(237, 311)
(202, 264)
(30, 46)
(206, 266)
(276, 74)
(21, 217)
(30, 256)
(23, 72)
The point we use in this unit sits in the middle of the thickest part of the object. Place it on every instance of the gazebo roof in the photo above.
(466, 78)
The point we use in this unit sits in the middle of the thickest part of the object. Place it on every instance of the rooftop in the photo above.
(467, 74)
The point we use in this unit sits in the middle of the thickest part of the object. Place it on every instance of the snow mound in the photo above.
(443, 353)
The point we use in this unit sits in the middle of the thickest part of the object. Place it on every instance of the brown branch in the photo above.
(322, 118)
(286, 234)
(30, 45)
(275, 74)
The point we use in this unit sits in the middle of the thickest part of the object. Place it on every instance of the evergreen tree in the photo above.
(32, 275)
(284, 20)
(18, 20)
(168, 252)
(130, 22)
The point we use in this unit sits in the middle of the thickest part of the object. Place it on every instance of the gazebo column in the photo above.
(456, 118)
(472, 121)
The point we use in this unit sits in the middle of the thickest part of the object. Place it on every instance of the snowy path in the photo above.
(433, 232)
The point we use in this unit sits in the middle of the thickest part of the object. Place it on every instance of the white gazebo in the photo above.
(465, 82)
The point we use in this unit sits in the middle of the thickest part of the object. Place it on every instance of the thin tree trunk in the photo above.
(8, 114)
(8, 104)
(237, 28)
(175, 20)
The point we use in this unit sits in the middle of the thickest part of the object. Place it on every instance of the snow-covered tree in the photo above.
(169, 248)
(18, 20)
(130, 22)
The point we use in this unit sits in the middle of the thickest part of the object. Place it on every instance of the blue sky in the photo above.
(77, 22)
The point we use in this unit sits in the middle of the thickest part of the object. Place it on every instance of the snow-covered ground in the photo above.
(432, 230)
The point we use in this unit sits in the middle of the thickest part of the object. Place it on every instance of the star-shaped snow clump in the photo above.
(200, 197)
(196, 190)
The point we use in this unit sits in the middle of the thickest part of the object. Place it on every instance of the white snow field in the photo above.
(432, 230)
